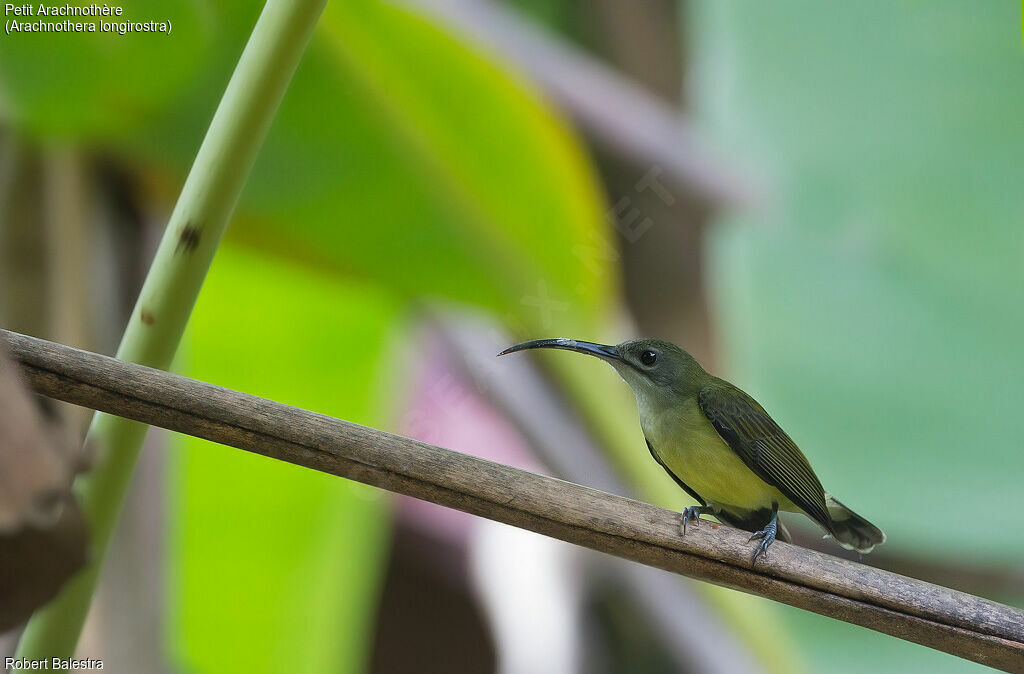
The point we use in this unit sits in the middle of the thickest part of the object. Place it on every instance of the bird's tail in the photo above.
(850, 530)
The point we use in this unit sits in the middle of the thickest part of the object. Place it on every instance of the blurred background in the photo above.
(820, 200)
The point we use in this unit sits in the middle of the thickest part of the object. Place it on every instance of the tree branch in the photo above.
(937, 617)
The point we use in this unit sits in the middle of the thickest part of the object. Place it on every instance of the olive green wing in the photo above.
(764, 447)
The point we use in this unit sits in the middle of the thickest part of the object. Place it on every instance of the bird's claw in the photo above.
(693, 514)
(767, 537)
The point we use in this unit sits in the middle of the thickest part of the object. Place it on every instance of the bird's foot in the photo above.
(692, 514)
(767, 537)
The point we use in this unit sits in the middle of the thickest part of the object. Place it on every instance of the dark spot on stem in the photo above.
(188, 239)
(147, 317)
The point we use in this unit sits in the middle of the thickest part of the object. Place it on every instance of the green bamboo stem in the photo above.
(158, 321)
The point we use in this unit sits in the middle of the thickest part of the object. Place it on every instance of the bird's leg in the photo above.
(693, 514)
(767, 535)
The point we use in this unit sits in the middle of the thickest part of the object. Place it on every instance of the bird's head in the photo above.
(655, 370)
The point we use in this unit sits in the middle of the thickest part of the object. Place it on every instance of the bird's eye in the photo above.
(648, 358)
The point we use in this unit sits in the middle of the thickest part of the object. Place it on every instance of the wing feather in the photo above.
(764, 447)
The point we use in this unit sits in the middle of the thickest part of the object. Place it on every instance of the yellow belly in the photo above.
(694, 451)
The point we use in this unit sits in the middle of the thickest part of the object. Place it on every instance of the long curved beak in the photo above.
(601, 351)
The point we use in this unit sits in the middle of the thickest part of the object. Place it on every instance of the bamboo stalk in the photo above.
(940, 618)
(193, 233)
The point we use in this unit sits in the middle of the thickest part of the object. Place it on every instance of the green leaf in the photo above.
(403, 156)
(98, 86)
(875, 310)
(399, 155)
(273, 563)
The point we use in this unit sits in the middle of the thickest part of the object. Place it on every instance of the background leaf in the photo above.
(417, 163)
(101, 86)
(274, 563)
(399, 154)
(420, 170)
(875, 308)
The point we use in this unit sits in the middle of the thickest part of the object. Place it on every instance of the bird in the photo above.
(721, 446)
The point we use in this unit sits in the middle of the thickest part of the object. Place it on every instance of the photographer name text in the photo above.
(52, 664)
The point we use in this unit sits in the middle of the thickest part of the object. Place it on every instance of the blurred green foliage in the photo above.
(875, 306)
(274, 563)
(402, 165)
(404, 157)
(104, 87)
(399, 153)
